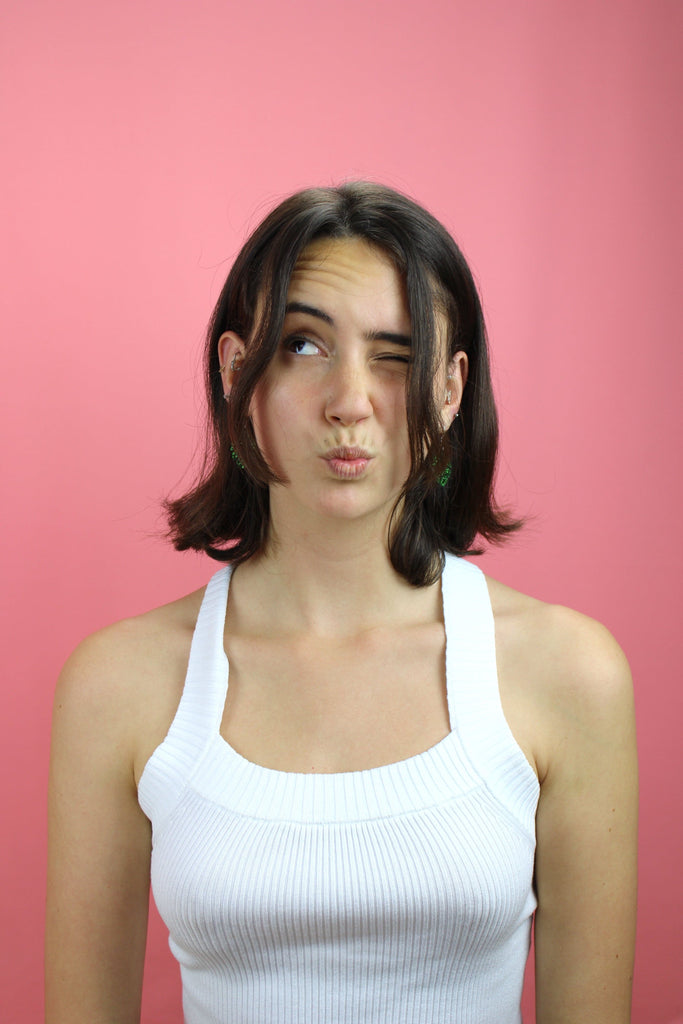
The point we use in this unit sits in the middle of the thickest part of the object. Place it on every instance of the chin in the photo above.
(353, 506)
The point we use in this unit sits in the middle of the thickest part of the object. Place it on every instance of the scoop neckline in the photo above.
(444, 772)
(378, 769)
(356, 772)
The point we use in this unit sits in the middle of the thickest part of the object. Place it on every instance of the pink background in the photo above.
(142, 140)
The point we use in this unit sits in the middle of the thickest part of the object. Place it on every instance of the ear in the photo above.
(454, 387)
(231, 351)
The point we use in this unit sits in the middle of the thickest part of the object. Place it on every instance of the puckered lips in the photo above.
(348, 463)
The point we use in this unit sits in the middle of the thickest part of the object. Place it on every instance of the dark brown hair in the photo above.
(230, 505)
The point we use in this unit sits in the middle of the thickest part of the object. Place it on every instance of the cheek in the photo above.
(397, 427)
(260, 414)
(399, 415)
(276, 416)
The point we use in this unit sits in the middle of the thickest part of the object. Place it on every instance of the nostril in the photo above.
(348, 400)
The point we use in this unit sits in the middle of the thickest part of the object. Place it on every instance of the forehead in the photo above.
(349, 274)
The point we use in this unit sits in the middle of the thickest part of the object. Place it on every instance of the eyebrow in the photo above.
(391, 336)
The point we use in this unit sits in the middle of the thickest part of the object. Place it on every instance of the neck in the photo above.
(331, 578)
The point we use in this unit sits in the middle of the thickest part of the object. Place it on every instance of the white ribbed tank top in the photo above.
(396, 895)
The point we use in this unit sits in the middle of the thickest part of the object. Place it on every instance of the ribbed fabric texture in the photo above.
(397, 895)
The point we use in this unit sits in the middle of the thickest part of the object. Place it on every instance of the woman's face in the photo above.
(330, 412)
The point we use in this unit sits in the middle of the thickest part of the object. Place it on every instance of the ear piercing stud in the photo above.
(233, 368)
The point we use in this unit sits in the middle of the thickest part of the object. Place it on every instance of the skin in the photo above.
(324, 607)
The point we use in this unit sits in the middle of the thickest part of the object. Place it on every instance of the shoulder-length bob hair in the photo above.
(435, 512)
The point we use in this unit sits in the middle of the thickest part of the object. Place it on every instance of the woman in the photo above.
(410, 758)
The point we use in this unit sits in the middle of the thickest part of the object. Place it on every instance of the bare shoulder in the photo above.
(567, 693)
(124, 681)
(136, 644)
(563, 668)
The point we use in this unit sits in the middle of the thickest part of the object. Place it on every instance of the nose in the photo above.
(348, 395)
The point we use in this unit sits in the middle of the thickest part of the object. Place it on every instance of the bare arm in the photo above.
(586, 832)
(99, 844)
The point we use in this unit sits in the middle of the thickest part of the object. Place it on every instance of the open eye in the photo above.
(300, 345)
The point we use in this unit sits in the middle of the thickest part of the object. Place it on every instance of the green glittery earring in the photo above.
(445, 477)
(236, 458)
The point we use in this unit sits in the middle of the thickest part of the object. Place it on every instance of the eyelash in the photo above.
(396, 358)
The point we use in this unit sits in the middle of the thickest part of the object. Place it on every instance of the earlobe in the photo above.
(231, 350)
(455, 384)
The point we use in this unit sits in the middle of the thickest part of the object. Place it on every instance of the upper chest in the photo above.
(346, 705)
(306, 704)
